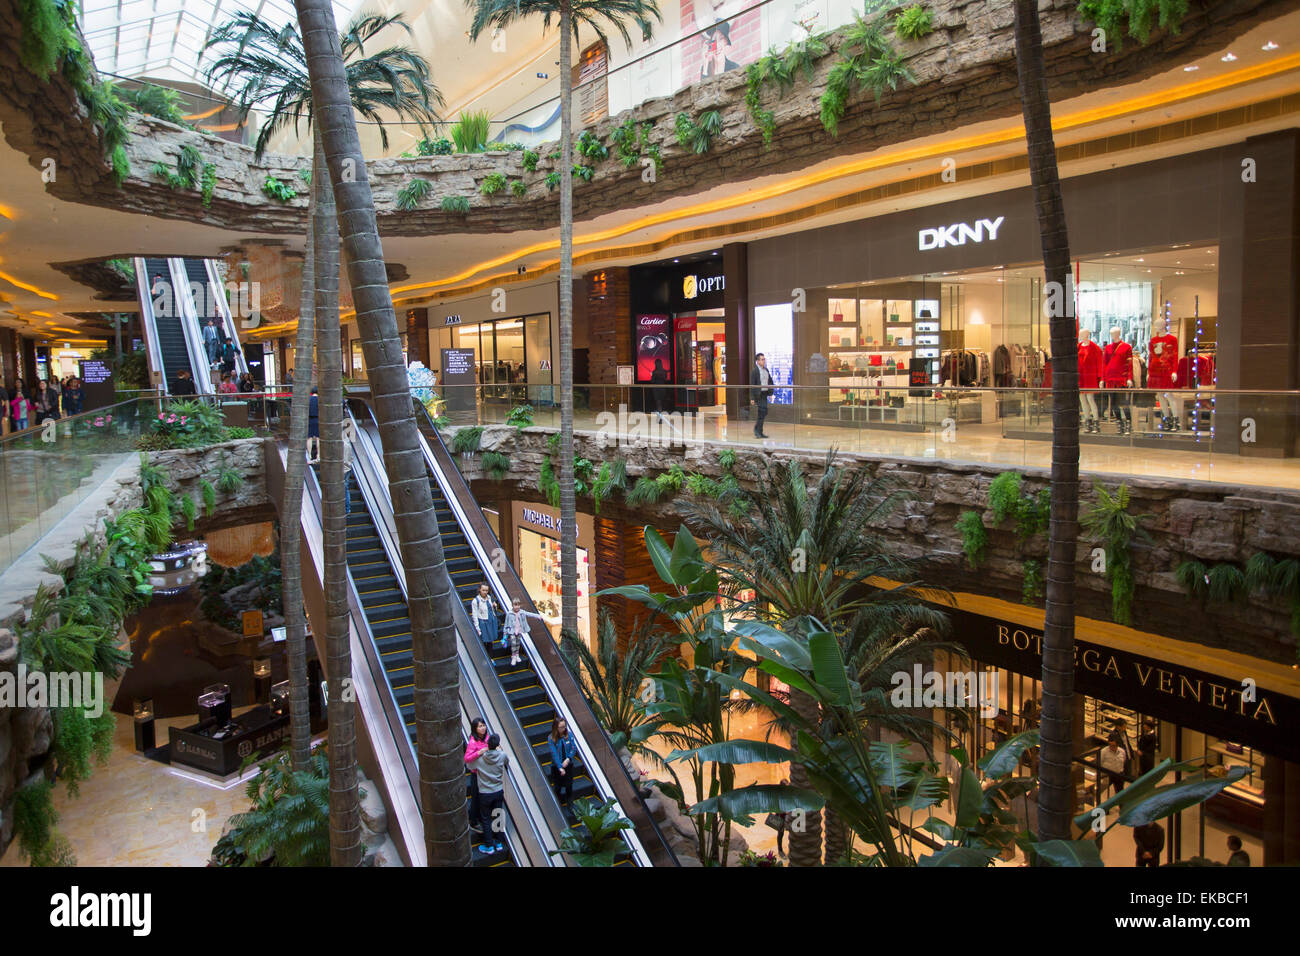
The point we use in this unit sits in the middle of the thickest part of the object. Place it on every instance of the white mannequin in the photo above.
(1087, 399)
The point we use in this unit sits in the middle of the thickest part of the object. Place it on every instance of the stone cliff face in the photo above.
(1186, 521)
(963, 70)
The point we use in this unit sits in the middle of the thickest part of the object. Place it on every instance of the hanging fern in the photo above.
(547, 484)
(190, 511)
(492, 184)
(974, 538)
(496, 464)
(1032, 589)
(410, 195)
(1004, 495)
(1109, 523)
(209, 496)
(456, 204)
(229, 480)
(466, 441)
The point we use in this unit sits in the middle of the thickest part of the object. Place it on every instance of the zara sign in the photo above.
(959, 233)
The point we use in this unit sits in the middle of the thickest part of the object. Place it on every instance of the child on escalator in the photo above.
(516, 626)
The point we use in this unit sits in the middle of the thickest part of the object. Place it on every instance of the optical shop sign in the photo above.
(1227, 706)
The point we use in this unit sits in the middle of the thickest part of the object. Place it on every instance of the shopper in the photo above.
(1147, 745)
(516, 627)
(1238, 856)
(19, 408)
(659, 394)
(564, 761)
(492, 766)
(228, 352)
(313, 427)
(762, 391)
(1149, 839)
(73, 397)
(227, 387)
(184, 384)
(483, 613)
(212, 342)
(45, 403)
(1112, 759)
(474, 747)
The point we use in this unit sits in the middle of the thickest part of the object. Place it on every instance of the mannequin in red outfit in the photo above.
(1091, 369)
(1118, 376)
(1162, 373)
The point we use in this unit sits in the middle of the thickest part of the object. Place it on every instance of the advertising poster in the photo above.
(731, 38)
(774, 338)
(459, 376)
(653, 347)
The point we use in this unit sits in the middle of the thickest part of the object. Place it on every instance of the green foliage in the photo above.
(234, 432)
(590, 146)
(436, 147)
(529, 160)
(614, 683)
(34, 819)
(780, 70)
(289, 819)
(503, 147)
(593, 839)
(470, 131)
(208, 184)
(867, 62)
(553, 179)
(496, 464)
(158, 101)
(189, 510)
(268, 595)
(305, 175)
(1109, 523)
(521, 416)
(209, 493)
(120, 164)
(913, 23)
(274, 189)
(189, 424)
(1004, 495)
(727, 459)
(1221, 583)
(1032, 588)
(1278, 578)
(409, 196)
(456, 204)
(492, 184)
(631, 141)
(518, 187)
(547, 483)
(229, 480)
(466, 440)
(80, 739)
(697, 135)
(1140, 16)
(974, 538)
(584, 172)
(45, 35)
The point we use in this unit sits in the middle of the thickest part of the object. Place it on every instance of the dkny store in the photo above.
(893, 321)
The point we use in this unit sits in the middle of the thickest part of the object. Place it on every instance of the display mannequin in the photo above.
(1091, 369)
(1162, 374)
(1118, 377)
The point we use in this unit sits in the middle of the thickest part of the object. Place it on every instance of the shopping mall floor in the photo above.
(971, 444)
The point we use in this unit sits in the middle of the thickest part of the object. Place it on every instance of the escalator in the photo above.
(389, 622)
(541, 686)
(209, 302)
(169, 348)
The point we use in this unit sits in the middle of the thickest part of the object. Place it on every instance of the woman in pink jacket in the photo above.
(474, 747)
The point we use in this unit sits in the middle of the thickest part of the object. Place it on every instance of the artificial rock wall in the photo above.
(1186, 520)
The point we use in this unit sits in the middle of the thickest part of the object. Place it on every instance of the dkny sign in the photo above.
(959, 233)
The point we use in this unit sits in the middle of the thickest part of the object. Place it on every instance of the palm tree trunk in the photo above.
(1056, 789)
(430, 595)
(291, 509)
(806, 828)
(568, 498)
(837, 837)
(345, 809)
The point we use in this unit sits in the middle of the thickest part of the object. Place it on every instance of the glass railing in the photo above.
(1234, 437)
(49, 469)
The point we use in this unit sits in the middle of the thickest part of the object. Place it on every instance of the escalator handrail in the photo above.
(148, 320)
(480, 691)
(603, 763)
(182, 295)
(225, 315)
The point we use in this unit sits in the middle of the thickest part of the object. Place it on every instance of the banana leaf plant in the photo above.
(594, 839)
(872, 785)
(690, 710)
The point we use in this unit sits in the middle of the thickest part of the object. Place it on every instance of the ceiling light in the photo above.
(1270, 45)
(1189, 69)
(1228, 57)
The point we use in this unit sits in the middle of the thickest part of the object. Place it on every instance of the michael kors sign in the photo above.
(959, 233)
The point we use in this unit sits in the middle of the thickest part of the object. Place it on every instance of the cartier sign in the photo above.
(1224, 705)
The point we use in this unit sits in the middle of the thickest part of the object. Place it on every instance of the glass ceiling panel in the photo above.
(165, 38)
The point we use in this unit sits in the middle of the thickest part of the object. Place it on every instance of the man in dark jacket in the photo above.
(761, 380)
(184, 384)
(1150, 840)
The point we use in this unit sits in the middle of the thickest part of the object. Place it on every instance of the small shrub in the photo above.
(552, 180)
(470, 131)
(436, 147)
(590, 146)
(492, 184)
(913, 23)
(466, 441)
(529, 160)
(496, 464)
(274, 189)
(456, 204)
(410, 195)
(521, 416)
(518, 187)
(974, 538)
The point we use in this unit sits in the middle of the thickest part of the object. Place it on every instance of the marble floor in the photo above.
(137, 812)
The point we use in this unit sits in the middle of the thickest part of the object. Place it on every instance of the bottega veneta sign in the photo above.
(1230, 706)
(959, 233)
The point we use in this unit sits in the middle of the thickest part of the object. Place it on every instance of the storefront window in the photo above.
(539, 569)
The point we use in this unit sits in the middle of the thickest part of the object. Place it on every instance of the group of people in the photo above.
(228, 387)
(49, 399)
(483, 614)
(220, 347)
(488, 763)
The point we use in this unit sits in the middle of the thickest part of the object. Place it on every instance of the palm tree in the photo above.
(271, 66)
(430, 595)
(808, 555)
(571, 15)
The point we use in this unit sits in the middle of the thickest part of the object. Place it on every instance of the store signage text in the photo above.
(959, 233)
(541, 520)
(694, 285)
(1150, 675)
(451, 320)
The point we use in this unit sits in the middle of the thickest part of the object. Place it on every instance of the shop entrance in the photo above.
(699, 361)
(512, 358)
